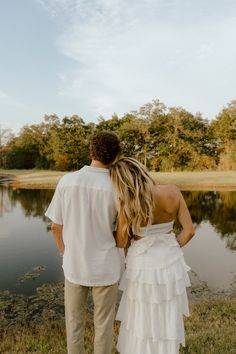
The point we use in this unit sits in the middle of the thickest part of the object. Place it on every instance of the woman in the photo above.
(154, 283)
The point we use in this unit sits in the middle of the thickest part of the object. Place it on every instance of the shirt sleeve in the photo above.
(54, 211)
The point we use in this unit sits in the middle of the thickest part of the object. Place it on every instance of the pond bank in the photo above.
(36, 323)
(36, 179)
(210, 180)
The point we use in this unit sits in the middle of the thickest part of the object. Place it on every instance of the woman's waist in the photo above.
(154, 235)
(155, 247)
(155, 229)
(159, 241)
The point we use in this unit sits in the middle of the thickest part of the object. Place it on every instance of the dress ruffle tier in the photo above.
(154, 297)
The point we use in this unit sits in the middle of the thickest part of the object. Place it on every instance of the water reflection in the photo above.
(25, 242)
(33, 201)
(219, 208)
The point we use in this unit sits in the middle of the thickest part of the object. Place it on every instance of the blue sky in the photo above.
(92, 57)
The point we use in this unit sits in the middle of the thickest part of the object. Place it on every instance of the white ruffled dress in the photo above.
(154, 297)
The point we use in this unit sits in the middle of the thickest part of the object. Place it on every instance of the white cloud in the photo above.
(11, 101)
(3, 95)
(127, 52)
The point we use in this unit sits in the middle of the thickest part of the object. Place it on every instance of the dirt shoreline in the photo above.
(183, 187)
(49, 180)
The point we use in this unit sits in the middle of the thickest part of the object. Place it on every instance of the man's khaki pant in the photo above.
(104, 298)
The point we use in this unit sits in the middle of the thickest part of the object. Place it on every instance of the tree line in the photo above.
(163, 139)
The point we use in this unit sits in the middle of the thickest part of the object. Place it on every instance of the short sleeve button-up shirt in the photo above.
(84, 204)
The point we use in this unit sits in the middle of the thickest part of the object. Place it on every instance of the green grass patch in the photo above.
(210, 329)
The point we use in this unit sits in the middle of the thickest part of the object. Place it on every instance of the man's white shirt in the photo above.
(84, 204)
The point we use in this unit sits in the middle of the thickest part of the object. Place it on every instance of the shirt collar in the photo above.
(96, 169)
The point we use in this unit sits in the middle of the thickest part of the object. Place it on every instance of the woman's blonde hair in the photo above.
(133, 189)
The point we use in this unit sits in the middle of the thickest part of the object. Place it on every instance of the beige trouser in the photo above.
(104, 298)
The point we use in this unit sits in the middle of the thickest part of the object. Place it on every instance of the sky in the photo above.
(99, 57)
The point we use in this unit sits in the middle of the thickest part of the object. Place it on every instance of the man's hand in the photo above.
(57, 234)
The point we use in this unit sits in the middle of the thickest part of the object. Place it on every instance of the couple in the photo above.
(86, 209)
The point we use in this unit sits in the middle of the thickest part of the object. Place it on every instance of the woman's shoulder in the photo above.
(166, 199)
(166, 194)
(166, 190)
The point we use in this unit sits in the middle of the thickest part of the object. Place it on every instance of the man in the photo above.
(83, 213)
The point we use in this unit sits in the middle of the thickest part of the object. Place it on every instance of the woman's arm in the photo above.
(121, 238)
(57, 234)
(186, 222)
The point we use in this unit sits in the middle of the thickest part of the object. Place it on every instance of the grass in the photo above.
(198, 180)
(209, 330)
(40, 328)
(225, 180)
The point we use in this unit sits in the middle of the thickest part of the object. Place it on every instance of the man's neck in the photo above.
(99, 164)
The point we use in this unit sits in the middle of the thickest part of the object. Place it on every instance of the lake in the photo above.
(29, 258)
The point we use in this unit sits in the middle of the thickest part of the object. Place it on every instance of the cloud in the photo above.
(127, 52)
(3, 95)
(11, 101)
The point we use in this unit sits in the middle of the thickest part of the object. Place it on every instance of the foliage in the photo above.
(19, 155)
(163, 139)
(6, 135)
(224, 128)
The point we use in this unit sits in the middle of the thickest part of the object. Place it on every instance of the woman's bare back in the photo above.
(167, 201)
(169, 205)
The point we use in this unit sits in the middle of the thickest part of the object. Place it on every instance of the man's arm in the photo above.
(57, 234)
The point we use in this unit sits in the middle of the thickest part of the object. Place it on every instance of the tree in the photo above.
(224, 128)
(6, 135)
(132, 135)
(112, 124)
(20, 156)
(181, 141)
(71, 150)
(163, 139)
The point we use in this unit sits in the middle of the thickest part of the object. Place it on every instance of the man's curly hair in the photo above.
(105, 147)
